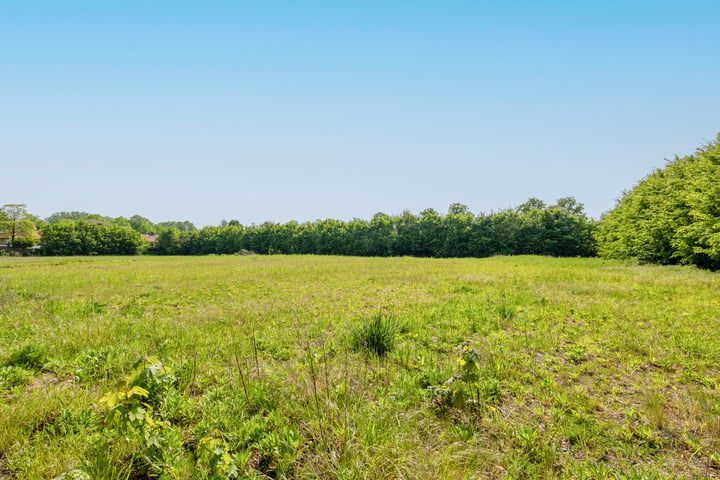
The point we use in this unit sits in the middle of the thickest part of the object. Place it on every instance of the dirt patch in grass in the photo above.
(46, 380)
(5, 473)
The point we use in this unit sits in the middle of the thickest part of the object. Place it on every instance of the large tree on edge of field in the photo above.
(15, 222)
(671, 216)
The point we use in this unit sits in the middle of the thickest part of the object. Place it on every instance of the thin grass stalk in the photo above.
(257, 360)
(242, 377)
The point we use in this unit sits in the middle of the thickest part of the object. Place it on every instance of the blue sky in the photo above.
(281, 111)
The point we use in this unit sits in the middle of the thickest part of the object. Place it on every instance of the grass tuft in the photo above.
(376, 336)
(32, 357)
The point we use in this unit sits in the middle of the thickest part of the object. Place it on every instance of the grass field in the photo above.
(339, 367)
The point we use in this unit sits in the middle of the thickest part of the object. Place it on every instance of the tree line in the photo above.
(562, 229)
(670, 216)
(533, 228)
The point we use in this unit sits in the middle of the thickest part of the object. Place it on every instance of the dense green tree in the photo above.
(480, 243)
(458, 209)
(121, 222)
(505, 228)
(207, 240)
(142, 225)
(531, 205)
(564, 233)
(570, 205)
(699, 240)
(121, 240)
(263, 238)
(60, 216)
(284, 239)
(66, 237)
(432, 233)
(329, 237)
(91, 237)
(528, 232)
(381, 236)
(229, 239)
(358, 240)
(184, 226)
(409, 235)
(77, 216)
(671, 216)
(457, 227)
(60, 238)
(15, 222)
(303, 238)
(189, 243)
(168, 241)
(562, 229)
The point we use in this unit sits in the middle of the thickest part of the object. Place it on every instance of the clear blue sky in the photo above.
(301, 110)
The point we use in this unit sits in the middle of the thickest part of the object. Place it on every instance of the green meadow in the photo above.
(223, 367)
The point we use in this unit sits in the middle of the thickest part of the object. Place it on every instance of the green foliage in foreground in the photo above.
(671, 216)
(256, 367)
